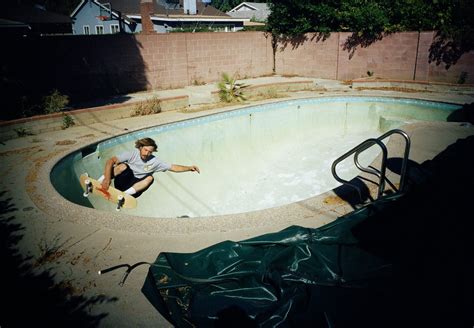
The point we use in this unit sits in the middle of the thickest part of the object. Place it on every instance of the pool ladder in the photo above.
(371, 170)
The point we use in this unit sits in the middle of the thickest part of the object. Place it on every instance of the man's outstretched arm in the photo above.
(184, 168)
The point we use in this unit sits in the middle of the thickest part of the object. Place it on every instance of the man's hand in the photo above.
(105, 184)
(194, 168)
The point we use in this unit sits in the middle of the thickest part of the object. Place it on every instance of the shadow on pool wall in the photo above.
(65, 179)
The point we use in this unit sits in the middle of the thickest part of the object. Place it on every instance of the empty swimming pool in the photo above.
(251, 158)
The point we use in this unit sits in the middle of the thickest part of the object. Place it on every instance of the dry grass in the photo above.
(398, 89)
(147, 107)
(65, 142)
(270, 93)
(199, 108)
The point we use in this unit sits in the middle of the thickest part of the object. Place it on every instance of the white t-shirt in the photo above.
(142, 168)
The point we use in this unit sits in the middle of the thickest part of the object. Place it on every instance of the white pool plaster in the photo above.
(252, 158)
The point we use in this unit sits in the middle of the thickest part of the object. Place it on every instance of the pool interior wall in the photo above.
(252, 158)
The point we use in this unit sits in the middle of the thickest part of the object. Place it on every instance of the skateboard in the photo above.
(94, 187)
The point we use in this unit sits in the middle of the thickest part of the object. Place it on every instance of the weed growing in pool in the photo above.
(230, 90)
(147, 107)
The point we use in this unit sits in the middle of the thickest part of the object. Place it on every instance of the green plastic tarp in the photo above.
(295, 277)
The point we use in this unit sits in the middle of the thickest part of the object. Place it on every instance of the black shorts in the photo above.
(126, 179)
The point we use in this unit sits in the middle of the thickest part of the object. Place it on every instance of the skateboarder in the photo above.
(133, 170)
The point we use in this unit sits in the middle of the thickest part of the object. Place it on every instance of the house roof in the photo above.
(13, 28)
(163, 8)
(33, 15)
(7, 23)
(259, 11)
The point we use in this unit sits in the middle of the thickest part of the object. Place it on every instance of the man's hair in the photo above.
(145, 142)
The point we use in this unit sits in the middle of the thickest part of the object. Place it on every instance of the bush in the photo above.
(147, 107)
(55, 102)
(67, 121)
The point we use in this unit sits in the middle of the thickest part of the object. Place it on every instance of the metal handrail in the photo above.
(405, 155)
(362, 146)
(380, 174)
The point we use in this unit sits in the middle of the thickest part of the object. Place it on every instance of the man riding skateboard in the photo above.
(133, 170)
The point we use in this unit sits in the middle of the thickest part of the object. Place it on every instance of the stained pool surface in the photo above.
(251, 158)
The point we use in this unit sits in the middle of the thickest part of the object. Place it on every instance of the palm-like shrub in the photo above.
(230, 90)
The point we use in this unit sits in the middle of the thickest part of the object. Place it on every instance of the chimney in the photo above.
(146, 9)
(190, 7)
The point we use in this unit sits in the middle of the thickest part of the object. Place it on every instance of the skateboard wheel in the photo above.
(120, 202)
(88, 188)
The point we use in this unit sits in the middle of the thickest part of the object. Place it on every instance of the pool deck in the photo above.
(85, 241)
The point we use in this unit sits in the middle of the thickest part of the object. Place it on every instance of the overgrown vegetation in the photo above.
(230, 90)
(147, 107)
(55, 102)
(19, 106)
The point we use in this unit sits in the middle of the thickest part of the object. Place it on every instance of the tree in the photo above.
(369, 20)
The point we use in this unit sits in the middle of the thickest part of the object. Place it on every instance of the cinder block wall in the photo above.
(308, 57)
(399, 56)
(178, 59)
(392, 57)
(90, 67)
